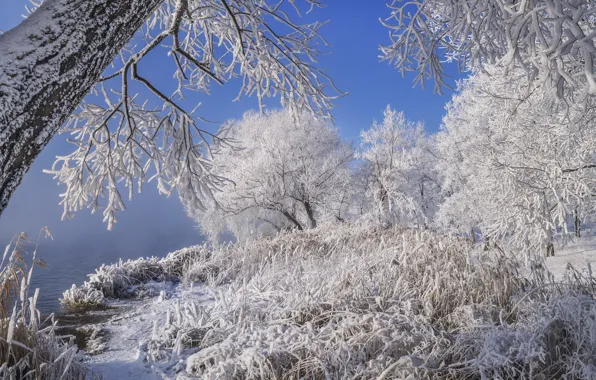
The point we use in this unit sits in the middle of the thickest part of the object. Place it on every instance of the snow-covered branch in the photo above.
(517, 167)
(209, 41)
(123, 136)
(552, 41)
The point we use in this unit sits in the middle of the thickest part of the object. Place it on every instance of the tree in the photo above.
(402, 180)
(517, 162)
(282, 170)
(56, 56)
(552, 41)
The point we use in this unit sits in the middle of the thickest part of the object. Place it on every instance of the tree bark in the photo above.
(383, 203)
(577, 224)
(48, 64)
(310, 213)
(293, 220)
(550, 250)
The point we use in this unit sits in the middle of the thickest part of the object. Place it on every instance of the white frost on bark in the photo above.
(47, 65)
(52, 60)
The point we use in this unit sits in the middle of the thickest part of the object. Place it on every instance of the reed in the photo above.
(29, 346)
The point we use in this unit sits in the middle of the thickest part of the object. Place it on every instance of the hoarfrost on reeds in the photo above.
(358, 302)
(369, 303)
(128, 278)
(29, 346)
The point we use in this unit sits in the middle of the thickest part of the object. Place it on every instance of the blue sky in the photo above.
(153, 223)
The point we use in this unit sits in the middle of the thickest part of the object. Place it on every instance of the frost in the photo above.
(551, 41)
(29, 343)
(355, 301)
(95, 342)
(518, 164)
(401, 171)
(283, 170)
(131, 278)
(120, 135)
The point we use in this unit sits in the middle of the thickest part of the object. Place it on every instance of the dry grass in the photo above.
(355, 302)
(117, 280)
(29, 346)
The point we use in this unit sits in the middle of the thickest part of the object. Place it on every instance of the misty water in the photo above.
(152, 225)
(70, 263)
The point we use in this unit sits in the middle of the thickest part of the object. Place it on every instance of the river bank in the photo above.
(351, 302)
(114, 341)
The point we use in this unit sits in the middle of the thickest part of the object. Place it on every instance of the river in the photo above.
(70, 264)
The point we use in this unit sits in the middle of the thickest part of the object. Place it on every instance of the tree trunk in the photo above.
(310, 213)
(550, 250)
(550, 247)
(383, 203)
(576, 224)
(48, 64)
(293, 220)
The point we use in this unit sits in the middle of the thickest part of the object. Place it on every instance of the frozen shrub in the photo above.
(82, 298)
(125, 278)
(553, 337)
(177, 262)
(94, 338)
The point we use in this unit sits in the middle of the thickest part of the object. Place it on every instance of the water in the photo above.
(152, 225)
(70, 264)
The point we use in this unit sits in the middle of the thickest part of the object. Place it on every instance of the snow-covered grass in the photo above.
(353, 302)
(29, 346)
(127, 278)
(365, 303)
(360, 302)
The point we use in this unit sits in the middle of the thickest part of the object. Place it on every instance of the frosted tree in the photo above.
(402, 180)
(517, 162)
(552, 41)
(66, 48)
(282, 170)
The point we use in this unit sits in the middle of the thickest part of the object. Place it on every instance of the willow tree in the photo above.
(67, 48)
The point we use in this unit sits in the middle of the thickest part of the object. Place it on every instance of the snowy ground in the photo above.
(579, 254)
(126, 334)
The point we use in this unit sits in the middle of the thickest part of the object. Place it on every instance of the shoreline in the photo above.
(114, 342)
(302, 303)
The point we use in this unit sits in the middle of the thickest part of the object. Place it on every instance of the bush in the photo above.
(120, 280)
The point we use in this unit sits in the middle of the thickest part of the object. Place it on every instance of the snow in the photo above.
(127, 334)
(478, 34)
(580, 254)
(265, 311)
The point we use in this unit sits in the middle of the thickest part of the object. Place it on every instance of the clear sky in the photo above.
(153, 223)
